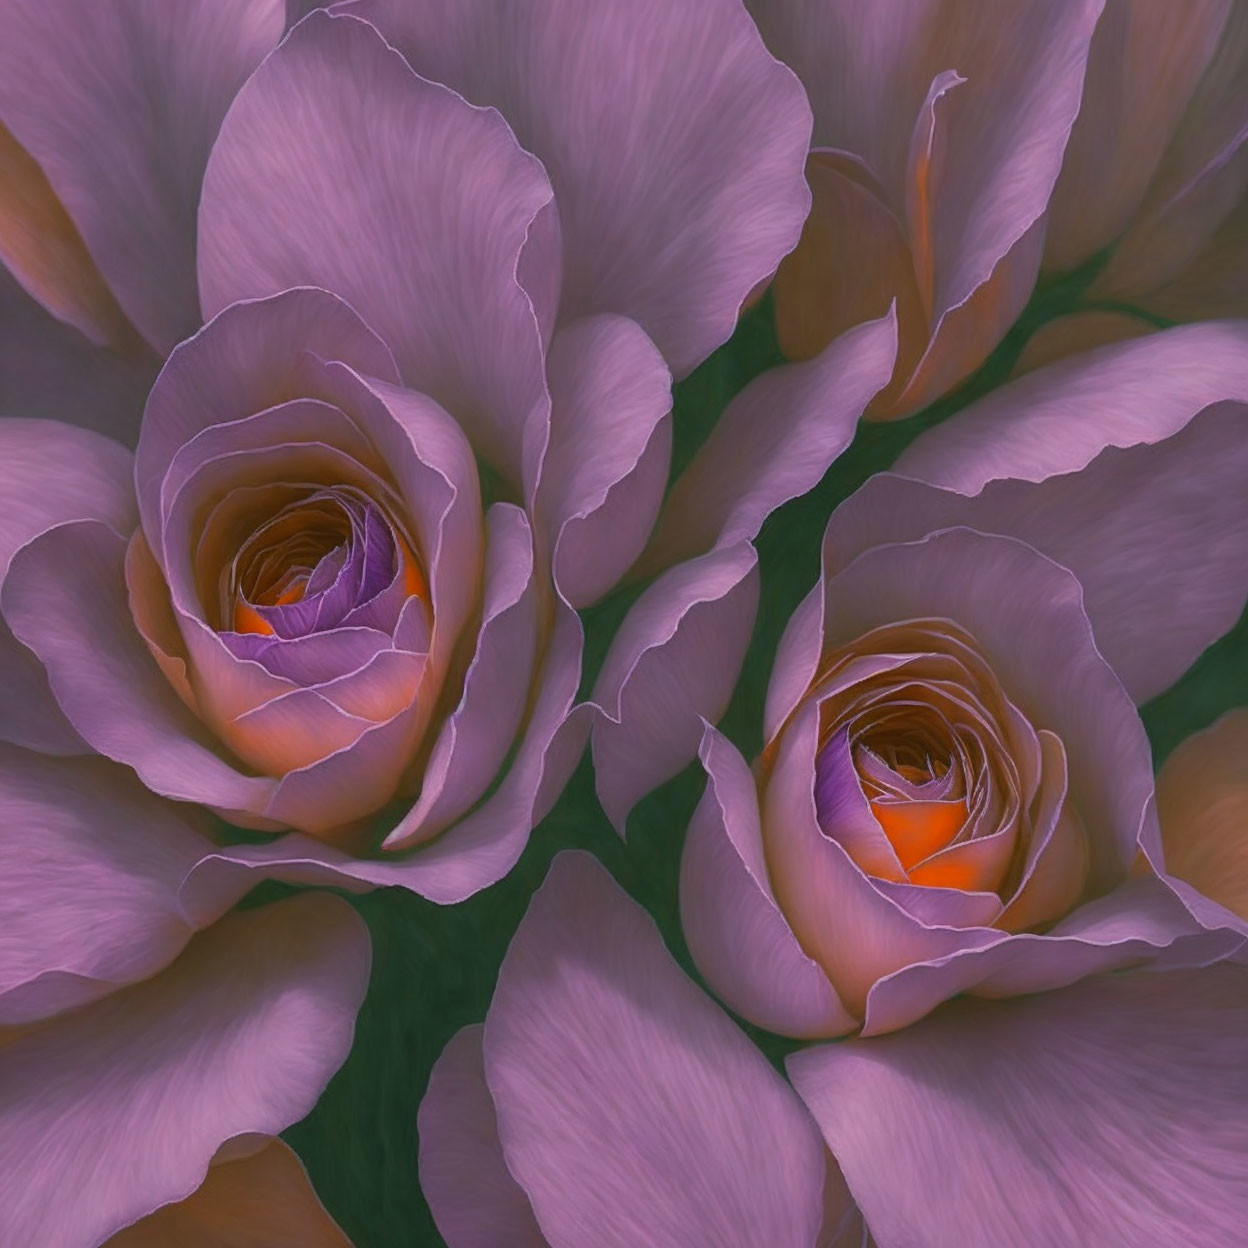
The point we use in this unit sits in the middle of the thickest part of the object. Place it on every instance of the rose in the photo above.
(939, 136)
(313, 616)
(606, 1101)
(956, 784)
(144, 1038)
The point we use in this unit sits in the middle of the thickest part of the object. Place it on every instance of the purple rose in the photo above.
(144, 1038)
(956, 784)
(301, 603)
(606, 1102)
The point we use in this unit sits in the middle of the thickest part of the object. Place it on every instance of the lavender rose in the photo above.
(607, 1102)
(956, 784)
(301, 603)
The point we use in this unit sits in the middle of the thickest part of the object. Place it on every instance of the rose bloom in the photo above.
(958, 154)
(428, 415)
(607, 1102)
(151, 1049)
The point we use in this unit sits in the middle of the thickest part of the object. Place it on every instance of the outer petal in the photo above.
(477, 735)
(1108, 1113)
(1141, 923)
(463, 1174)
(133, 1095)
(737, 934)
(43, 250)
(120, 104)
(1058, 419)
(1157, 535)
(65, 597)
(773, 442)
(674, 142)
(396, 194)
(49, 371)
(1202, 803)
(261, 1201)
(672, 664)
(606, 467)
(612, 1076)
(50, 473)
(1145, 63)
(91, 867)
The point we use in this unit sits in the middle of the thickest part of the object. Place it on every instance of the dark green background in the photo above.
(434, 968)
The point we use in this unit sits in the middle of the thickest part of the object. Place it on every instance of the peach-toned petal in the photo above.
(1078, 331)
(42, 248)
(261, 1201)
(1202, 801)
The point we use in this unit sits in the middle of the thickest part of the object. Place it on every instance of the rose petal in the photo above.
(1140, 923)
(65, 597)
(463, 1174)
(377, 165)
(120, 105)
(773, 442)
(133, 1095)
(606, 466)
(610, 1070)
(675, 148)
(672, 664)
(1156, 534)
(42, 248)
(262, 1201)
(475, 738)
(1111, 1112)
(736, 932)
(1145, 62)
(1143, 390)
(49, 371)
(1202, 803)
(852, 929)
(477, 851)
(92, 864)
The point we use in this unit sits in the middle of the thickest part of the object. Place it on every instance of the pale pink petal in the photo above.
(1146, 60)
(91, 867)
(1156, 535)
(1058, 419)
(1108, 1113)
(118, 1108)
(609, 1071)
(395, 193)
(672, 664)
(736, 932)
(773, 442)
(476, 737)
(65, 598)
(606, 466)
(463, 1175)
(673, 141)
